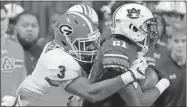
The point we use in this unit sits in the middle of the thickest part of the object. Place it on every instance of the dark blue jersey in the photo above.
(113, 59)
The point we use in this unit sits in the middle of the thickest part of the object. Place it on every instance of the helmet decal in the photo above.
(66, 30)
(133, 13)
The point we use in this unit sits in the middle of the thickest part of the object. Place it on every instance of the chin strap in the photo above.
(144, 48)
(143, 51)
(112, 29)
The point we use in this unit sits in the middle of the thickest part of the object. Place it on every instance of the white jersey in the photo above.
(54, 65)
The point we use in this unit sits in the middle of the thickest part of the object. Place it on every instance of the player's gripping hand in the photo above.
(8, 100)
(138, 68)
(139, 65)
(136, 71)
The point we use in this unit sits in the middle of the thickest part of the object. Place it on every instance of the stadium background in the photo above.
(45, 9)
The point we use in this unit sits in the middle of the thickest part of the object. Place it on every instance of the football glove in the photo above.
(138, 70)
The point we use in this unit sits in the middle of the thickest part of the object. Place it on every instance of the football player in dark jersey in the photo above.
(134, 32)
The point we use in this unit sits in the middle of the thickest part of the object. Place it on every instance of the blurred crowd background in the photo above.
(24, 51)
(169, 14)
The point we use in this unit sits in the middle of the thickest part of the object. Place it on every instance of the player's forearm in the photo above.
(137, 97)
(98, 91)
(104, 89)
(151, 95)
(130, 97)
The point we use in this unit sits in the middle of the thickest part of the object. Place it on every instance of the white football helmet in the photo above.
(85, 9)
(136, 22)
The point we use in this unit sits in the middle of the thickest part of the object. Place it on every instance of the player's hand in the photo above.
(8, 100)
(138, 68)
(160, 74)
(135, 72)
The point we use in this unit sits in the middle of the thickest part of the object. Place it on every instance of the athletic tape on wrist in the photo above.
(162, 85)
(127, 78)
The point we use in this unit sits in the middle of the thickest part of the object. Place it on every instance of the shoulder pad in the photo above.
(114, 54)
(60, 65)
(50, 46)
(118, 52)
(114, 44)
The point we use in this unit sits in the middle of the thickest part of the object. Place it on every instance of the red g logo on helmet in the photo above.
(66, 30)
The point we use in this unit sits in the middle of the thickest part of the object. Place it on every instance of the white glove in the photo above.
(135, 72)
(138, 69)
(8, 100)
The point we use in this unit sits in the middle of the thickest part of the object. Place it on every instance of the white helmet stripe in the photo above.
(89, 11)
(87, 21)
(83, 10)
(86, 10)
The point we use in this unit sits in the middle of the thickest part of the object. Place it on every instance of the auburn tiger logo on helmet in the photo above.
(137, 23)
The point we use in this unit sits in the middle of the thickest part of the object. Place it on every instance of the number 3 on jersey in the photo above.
(62, 71)
(119, 43)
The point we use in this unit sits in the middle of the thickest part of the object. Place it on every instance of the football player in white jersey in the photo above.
(76, 41)
(91, 13)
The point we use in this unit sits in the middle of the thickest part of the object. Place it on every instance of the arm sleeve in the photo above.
(82, 87)
(114, 63)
